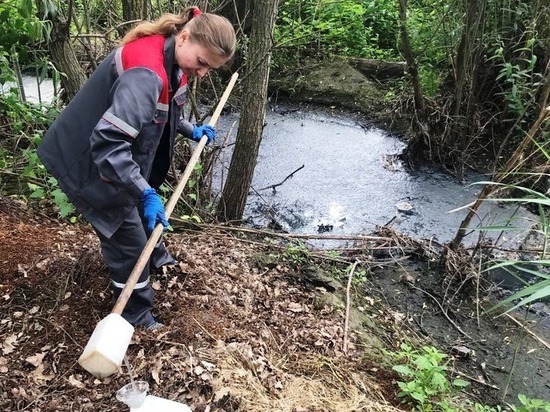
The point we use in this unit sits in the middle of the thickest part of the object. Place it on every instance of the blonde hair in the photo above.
(209, 30)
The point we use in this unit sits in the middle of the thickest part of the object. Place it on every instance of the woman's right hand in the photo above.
(153, 209)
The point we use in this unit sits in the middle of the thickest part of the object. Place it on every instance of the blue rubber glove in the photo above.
(200, 131)
(153, 209)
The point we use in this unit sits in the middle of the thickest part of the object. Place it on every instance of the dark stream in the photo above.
(351, 181)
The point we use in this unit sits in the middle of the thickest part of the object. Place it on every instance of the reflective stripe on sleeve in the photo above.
(180, 91)
(139, 285)
(162, 106)
(121, 124)
(118, 61)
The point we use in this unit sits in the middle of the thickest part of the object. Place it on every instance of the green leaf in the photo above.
(25, 8)
(38, 194)
(65, 209)
(423, 363)
(62, 202)
(403, 369)
(461, 383)
(439, 381)
(534, 292)
(420, 397)
(523, 399)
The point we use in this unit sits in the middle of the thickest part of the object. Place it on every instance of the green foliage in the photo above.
(540, 288)
(296, 253)
(486, 408)
(426, 385)
(380, 17)
(531, 292)
(188, 211)
(360, 277)
(6, 72)
(18, 25)
(340, 27)
(41, 186)
(320, 29)
(430, 79)
(25, 123)
(517, 76)
(24, 175)
(428, 389)
(333, 253)
(531, 405)
(430, 41)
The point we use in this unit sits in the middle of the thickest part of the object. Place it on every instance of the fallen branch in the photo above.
(540, 340)
(285, 179)
(444, 312)
(348, 299)
(284, 235)
(470, 378)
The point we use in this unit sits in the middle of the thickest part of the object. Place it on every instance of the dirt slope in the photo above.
(244, 334)
(253, 324)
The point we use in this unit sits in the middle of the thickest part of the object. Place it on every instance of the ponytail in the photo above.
(209, 30)
(168, 24)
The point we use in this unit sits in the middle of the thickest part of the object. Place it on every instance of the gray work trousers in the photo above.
(121, 252)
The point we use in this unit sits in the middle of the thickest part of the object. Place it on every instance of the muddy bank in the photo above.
(507, 354)
(337, 84)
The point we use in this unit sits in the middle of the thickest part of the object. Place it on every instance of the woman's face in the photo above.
(195, 59)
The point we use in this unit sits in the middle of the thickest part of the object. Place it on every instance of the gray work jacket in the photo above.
(117, 134)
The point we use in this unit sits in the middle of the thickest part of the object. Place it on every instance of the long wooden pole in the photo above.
(157, 232)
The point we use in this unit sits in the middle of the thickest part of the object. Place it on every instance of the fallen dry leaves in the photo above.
(241, 336)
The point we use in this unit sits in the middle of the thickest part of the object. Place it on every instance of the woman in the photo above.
(110, 148)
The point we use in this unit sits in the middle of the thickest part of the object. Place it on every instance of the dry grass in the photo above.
(325, 390)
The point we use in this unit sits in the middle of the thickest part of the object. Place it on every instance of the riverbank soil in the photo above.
(253, 324)
(339, 85)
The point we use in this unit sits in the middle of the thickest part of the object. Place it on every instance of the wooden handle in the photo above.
(157, 232)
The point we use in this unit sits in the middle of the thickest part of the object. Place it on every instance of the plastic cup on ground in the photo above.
(133, 394)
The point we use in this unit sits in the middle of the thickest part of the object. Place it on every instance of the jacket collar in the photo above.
(176, 78)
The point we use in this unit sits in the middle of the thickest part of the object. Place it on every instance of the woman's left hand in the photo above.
(205, 130)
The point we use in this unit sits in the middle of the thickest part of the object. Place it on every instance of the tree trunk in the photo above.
(239, 12)
(465, 65)
(409, 57)
(233, 199)
(135, 10)
(62, 52)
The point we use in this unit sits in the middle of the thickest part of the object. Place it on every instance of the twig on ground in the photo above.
(470, 378)
(348, 299)
(286, 235)
(444, 313)
(540, 340)
(285, 179)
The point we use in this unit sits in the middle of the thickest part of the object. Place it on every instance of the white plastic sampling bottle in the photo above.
(156, 404)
